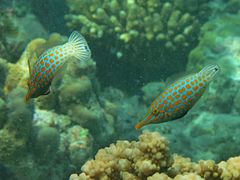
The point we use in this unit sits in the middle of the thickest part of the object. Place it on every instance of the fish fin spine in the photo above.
(79, 46)
(26, 98)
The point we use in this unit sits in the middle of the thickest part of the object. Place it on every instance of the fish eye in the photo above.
(216, 69)
(154, 111)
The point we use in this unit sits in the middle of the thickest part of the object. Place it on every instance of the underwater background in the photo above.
(138, 47)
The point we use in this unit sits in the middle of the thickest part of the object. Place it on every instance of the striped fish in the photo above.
(51, 61)
(178, 98)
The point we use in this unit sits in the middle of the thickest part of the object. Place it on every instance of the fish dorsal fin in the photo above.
(48, 91)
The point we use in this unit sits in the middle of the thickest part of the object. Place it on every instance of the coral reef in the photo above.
(137, 159)
(149, 158)
(45, 143)
(144, 36)
(17, 27)
(33, 139)
(7, 28)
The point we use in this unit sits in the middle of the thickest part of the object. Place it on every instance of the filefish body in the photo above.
(51, 61)
(177, 99)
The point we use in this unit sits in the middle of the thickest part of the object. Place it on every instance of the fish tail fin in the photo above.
(79, 45)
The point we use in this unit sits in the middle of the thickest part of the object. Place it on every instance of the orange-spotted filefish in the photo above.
(51, 61)
(178, 98)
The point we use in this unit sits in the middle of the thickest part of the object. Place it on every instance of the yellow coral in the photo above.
(141, 160)
(129, 159)
(231, 168)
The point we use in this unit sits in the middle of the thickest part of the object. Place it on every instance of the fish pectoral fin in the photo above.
(48, 91)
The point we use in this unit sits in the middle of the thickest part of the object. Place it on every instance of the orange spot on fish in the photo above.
(177, 96)
(42, 63)
(196, 94)
(163, 96)
(182, 90)
(38, 74)
(165, 92)
(192, 83)
(187, 80)
(46, 58)
(175, 88)
(195, 88)
(189, 93)
(57, 52)
(51, 61)
(165, 101)
(169, 97)
(201, 84)
(51, 54)
(188, 86)
(183, 83)
(47, 64)
(56, 57)
(155, 119)
(182, 107)
(166, 108)
(61, 49)
(170, 90)
(174, 93)
(184, 97)
(196, 80)
(43, 69)
(61, 55)
(53, 66)
(161, 105)
(177, 102)
(57, 62)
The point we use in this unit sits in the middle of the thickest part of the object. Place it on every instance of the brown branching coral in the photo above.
(144, 36)
(149, 159)
(231, 168)
(129, 159)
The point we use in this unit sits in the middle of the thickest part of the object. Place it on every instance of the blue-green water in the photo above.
(137, 49)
